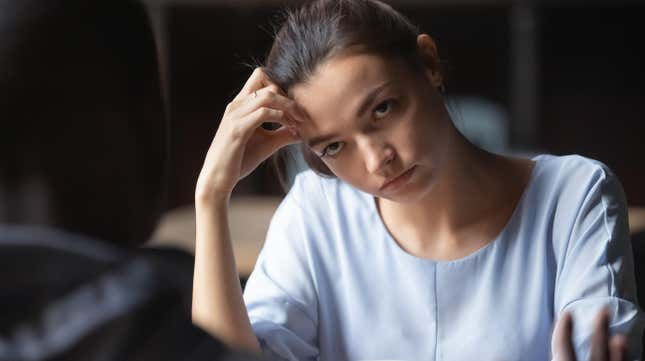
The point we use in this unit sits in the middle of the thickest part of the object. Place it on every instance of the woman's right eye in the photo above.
(332, 149)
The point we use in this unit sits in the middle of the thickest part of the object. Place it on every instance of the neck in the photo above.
(471, 184)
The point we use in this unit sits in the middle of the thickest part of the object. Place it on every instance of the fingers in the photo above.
(261, 101)
(272, 141)
(256, 81)
(602, 348)
(265, 115)
(259, 83)
(248, 125)
(618, 348)
(563, 345)
(241, 129)
(240, 143)
(599, 340)
(263, 144)
(258, 93)
(268, 97)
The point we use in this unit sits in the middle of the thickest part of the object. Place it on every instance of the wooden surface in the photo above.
(637, 219)
(250, 217)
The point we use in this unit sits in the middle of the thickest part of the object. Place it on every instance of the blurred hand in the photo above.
(241, 143)
(603, 348)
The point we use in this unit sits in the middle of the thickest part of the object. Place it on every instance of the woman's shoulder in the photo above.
(319, 213)
(319, 206)
(317, 194)
(572, 165)
(568, 188)
(570, 176)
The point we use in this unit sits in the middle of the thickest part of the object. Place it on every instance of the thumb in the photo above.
(265, 143)
(562, 345)
(618, 348)
(280, 138)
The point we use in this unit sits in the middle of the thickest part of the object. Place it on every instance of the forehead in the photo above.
(334, 92)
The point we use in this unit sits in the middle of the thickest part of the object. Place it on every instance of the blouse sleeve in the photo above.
(280, 295)
(595, 266)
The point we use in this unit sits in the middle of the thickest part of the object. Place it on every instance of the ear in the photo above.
(430, 57)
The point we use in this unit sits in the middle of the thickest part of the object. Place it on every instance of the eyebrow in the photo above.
(365, 104)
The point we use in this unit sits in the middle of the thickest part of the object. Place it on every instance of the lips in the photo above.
(398, 180)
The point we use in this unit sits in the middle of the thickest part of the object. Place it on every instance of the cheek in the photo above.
(424, 132)
(351, 171)
(411, 135)
(343, 168)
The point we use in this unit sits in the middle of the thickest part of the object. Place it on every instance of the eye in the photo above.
(383, 109)
(332, 149)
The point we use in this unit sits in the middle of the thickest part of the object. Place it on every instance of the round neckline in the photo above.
(391, 242)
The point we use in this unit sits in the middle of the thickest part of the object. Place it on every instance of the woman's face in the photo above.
(376, 123)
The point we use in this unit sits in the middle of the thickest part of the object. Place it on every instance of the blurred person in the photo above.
(404, 240)
(83, 163)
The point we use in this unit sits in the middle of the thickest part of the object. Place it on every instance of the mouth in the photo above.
(398, 181)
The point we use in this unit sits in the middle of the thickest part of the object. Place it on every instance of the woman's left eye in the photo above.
(332, 149)
(383, 109)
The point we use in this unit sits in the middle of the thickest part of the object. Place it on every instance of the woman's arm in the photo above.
(217, 295)
(594, 258)
(238, 147)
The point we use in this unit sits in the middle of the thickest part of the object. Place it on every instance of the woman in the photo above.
(416, 245)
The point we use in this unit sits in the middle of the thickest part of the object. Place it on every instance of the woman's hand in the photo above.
(240, 143)
(603, 348)
(238, 147)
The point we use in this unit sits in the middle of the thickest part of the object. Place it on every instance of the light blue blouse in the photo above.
(332, 284)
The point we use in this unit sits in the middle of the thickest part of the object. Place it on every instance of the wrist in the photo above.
(212, 198)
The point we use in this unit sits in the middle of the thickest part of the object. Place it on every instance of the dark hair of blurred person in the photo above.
(83, 162)
(83, 122)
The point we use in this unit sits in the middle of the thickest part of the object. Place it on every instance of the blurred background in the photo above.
(524, 77)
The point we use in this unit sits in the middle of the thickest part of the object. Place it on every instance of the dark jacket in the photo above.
(69, 297)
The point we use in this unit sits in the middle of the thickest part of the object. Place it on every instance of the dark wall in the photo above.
(592, 96)
(208, 51)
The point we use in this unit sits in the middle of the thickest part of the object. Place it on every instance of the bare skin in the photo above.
(456, 200)
(239, 146)
(460, 196)
(603, 346)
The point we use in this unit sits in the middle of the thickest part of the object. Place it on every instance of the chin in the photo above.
(414, 191)
(407, 196)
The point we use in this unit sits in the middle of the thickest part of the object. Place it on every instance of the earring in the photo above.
(442, 88)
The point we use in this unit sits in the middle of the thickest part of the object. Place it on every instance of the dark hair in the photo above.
(319, 30)
(82, 113)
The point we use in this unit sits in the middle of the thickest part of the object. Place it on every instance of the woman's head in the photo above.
(330, 56)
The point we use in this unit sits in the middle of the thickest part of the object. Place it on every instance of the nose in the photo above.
(377, 154)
